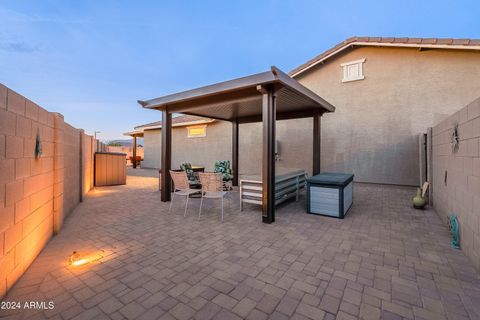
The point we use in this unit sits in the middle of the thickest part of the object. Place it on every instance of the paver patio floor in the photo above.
(385, 260)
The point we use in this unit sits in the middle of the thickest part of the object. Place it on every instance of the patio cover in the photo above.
(134, 134)
(240, 99)
(267, 97)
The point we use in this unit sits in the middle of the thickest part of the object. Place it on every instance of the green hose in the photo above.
(453, 224)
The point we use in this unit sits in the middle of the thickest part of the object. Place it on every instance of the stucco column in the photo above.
(58, 172)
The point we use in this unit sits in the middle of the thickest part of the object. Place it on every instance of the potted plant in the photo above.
(420, 200)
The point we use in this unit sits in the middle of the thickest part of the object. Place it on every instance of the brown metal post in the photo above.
(134, 152)
(235, 152)
(268, 154)
(166, 186)
(316, 142)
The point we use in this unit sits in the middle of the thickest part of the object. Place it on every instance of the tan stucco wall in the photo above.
(373, 131)
(295, 139)
(202, 151)
(36, 194)
(460, 193)
(294, 145)
(152, 148)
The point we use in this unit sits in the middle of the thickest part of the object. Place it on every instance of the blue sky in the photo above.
(92, 60)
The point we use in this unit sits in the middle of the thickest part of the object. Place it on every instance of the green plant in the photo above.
(114, 144)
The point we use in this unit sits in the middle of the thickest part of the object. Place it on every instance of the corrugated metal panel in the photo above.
(324, 201)
(347, 197)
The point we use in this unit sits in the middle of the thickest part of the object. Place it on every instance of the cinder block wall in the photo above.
(460, 193)
(36, 194)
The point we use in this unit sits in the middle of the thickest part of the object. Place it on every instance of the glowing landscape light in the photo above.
(78, 260)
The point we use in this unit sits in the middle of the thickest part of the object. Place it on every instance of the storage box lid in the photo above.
(331, 178)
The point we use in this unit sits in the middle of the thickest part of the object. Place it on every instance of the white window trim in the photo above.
(360, 70)
(197, 136)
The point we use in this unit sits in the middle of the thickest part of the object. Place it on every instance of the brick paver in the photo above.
(384, 261)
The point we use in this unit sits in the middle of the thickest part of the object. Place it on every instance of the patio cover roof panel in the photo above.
(240, 99)
(289, 105)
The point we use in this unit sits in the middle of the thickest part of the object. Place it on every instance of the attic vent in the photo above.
(353, 70)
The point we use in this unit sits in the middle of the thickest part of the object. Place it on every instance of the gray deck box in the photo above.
(330, 194)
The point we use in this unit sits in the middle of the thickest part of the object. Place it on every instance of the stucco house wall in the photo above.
(295, 140)
(294, 145)
(216, 145)
(152, 149)
(373, 131)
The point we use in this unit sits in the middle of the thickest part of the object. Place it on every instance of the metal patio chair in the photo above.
(181, 187)
(212, 188)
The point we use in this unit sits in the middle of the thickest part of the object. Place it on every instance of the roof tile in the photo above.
(460, 41)
(362, 39)
(414, 40)
(429, 40)
(387, 39)
(444, 41)
(354, 38)
(400, 40)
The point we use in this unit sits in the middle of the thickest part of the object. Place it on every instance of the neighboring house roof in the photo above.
(421, 43)
(182, 120)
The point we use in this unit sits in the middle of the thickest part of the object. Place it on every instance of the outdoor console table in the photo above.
(330, 194)
(288, 183)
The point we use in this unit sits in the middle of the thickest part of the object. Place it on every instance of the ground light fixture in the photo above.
(76, 259)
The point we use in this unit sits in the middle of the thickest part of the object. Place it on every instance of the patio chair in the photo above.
(212, 188)
(223, 167)
(181, 187)
(192, 178)
(139, 159)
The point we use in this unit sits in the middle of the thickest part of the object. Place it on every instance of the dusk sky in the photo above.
(92, 60)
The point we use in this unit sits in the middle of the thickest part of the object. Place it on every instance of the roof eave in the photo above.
(295, 72)
(179, 124)
(135, 133)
